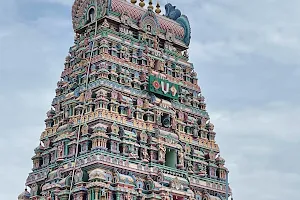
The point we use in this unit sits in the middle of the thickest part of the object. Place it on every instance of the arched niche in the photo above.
(82, 10)
(149, 23)
(91, 15)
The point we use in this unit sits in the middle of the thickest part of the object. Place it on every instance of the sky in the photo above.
(246, 54)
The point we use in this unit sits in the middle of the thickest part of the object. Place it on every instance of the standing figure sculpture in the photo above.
(162, 153)
(60, 149)
(180, 159)
(145, 155)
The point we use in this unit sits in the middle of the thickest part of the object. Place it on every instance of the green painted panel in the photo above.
(163, 87)
(171, 158)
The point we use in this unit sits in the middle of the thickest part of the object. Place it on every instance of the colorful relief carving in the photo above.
(128, 121)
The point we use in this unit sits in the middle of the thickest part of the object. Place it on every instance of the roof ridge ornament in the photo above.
(142, 3)
(172, 12)
(158, 10)
(150, 6)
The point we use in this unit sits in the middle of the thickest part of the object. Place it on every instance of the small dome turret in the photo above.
(24, 195)
(210, 126)
(68, 58)
(97, 174)
(220, 160)
(50, 113)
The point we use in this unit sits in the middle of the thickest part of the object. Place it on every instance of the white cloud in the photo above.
(259, 121)
(269, 29)
(62, 2)
(259, 144)
(31, 59)
(245, 53)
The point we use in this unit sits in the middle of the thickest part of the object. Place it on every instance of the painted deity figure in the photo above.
(151, 62)
(180, 157)
(143, 77)
(47, 143)
(149, 139)
(166, 196)
(158, 65)
(139, 103)
(186, 54)
(162, 152)
(158, 118)
(105, 24)
(190, 167)
(155, 44)
(174, 122)
(170, 35)
(78, 176)
(57, 107)
(195, 130)
(175, 184)
(145, 154)
(122, 51)
(60, 149)
(191, 198)
(146, 104)
(88, 94)
(34, 190)
(203, 122)
(103, 192)
(130, 112)
(81, 98)
(128, 196)
(77, 38)
(48, 197)
(67, 112)
(121, 132)
(131, 151)
(86, 41)
(149, 28)
(127, 55)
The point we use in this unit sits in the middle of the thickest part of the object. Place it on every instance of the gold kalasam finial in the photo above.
(158, 10)
(133, 1)
(150, 6)
(142, 3)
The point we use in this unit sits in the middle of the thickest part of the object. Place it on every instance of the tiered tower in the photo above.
(128, 121)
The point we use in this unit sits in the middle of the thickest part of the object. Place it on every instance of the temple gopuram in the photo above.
(128, 121)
